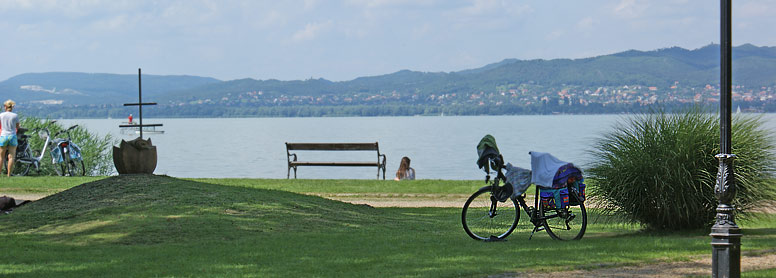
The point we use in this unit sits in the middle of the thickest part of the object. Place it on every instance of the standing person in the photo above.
(130, 118)
(405, 172)
(8, 142)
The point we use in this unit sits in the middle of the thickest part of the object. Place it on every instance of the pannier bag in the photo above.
(554, 198)
(72, 149)
(566, 174)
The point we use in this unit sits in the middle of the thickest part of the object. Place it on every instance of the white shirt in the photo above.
(9, 120)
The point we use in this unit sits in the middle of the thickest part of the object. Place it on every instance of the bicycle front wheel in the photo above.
(567, 223)
(485, 218)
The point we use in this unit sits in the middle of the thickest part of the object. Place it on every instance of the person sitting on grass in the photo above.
(405, 172)
(8, 142)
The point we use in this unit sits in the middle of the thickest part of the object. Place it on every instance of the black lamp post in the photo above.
(725, 234)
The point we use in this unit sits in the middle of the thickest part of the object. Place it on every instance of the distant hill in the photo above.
(74, 88)
(753, 66)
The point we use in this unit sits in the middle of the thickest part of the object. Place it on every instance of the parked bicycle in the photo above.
(493, 212)
(26, 158)
(70, 164)
(66, 155)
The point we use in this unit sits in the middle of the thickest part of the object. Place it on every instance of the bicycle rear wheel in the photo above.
(567, 223)
(482, 221)
(21, 165)
(72, 167)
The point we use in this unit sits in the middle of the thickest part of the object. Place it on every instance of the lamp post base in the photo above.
(726, 245)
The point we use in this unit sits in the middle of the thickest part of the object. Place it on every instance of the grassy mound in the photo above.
(146, 209)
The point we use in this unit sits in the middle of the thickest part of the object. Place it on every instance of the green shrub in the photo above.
(95, 150)
(659, 169)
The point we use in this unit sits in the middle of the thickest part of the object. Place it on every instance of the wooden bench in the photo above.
(294, 163)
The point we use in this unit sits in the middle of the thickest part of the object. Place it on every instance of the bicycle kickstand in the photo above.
(535, 229)
(532, 232)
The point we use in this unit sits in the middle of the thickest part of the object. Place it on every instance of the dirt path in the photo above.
(398, 200)
(698, 267)
(31, 197)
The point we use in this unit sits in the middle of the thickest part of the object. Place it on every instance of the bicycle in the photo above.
(66, 155)
(26, 158)
(493, 213)
(23, 152)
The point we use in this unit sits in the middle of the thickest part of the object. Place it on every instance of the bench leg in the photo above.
(378, 172)
(288, 175)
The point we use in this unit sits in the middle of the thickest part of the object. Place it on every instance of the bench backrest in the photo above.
(333, 146)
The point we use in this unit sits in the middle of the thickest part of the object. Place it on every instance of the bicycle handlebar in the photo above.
(64, 131)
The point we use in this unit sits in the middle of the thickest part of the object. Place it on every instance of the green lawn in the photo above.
(141, 226)
(45, 185)
(356, 186)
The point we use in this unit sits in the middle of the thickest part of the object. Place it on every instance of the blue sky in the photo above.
(342, 40)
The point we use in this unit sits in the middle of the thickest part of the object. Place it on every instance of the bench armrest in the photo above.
(290, 155)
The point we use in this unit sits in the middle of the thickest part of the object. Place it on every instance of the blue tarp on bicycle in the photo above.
(547, 172)
(551, 172)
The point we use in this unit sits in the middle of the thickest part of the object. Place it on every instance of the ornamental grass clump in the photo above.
(659, 169)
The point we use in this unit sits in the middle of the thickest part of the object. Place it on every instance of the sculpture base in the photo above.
(137, 156)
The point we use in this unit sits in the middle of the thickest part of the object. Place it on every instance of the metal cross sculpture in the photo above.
(725, 234)
(140, 108)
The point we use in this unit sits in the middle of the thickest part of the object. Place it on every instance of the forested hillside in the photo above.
(623, 82)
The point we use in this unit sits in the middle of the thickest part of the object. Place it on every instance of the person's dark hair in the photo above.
(403, 167)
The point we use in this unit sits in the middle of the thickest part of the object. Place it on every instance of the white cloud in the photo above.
(630, 9)
(554, 35)
(69, 8)
(26, 28)
(758, 8)
(421, 31)
(391, 3)
(311, 31)
(310, 4)
(188, 12)
(272, 18)
(21, 4)
(585, 24)
(491, 7)
(111, 23)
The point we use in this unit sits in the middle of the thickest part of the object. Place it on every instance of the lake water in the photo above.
(439, 147)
